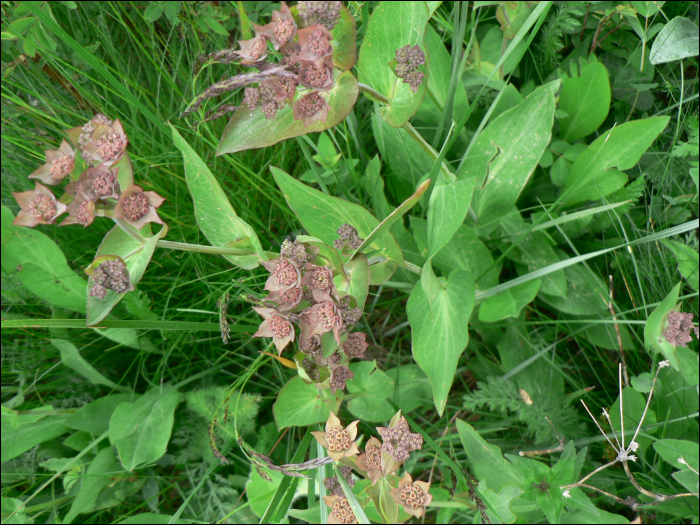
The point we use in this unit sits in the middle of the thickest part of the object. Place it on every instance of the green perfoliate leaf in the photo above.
(299, 404)
(508, 303)
(587, 100)
(250, 129)
(141, 430)
(447, 209)
(344, 48)
(356, 279)
(72, 359)
(217, 219)
(136, 256)
(392, 26)
(597, 170)
(656, 324)
(440, 330)
(321, 215)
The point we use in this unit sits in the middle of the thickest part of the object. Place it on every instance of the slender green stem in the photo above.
(449, 176)
(200, 248)
(374, 94)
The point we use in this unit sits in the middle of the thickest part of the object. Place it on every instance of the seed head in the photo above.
(355, 346)
(310, 107)
(339, 376)
(326, 13)
(252, 95)
(414, 80)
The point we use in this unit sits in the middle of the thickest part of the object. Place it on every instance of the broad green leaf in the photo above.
(688, 261)
(356, 279)
(413, 387)
(13, 509)
(490, 467)
(689, 365)
(517, 138)
(299, 404)
(72, 359)
(587, 100)
(94, 417)
(508, 303)
(392, 26)
(135, 255)
(439, 331)
(500, 501)
(447, 209)
(596, 172)
(373, 184)
(29, 432)
(153, 12)
(42, 266)
(141, 430)
(322, 214)
(605, 336)
(465, 251)
(687, 478)
(312, 515)
(429, 282)
(217, 219)
(369, 390)
(250, 129)
(671, 450)
(656, 324)
(387, 504)
(344, 47)
(677, 40)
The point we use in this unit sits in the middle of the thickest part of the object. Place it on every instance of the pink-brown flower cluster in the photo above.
(406, 63)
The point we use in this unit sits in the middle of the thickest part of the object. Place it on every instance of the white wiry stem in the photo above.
(601, 430)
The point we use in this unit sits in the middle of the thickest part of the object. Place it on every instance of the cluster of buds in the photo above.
(306, 61)
(333, 485)
(110, 274)
(405, 65)
(348, 238)
(679, 328)
(303, 293)
(101, 144)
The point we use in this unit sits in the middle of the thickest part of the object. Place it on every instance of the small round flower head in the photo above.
(318, 278)
(310, 107)
(107, 146)
(275, 325)
(311, 346)
(414, 80)
(398, 439)
(315, 75)
(111, 274)
(100, 181)
(315, 43)
(338, 440)
(39, 206)
(324, 12)
(80, 136)
(401, 54)
(292, 60)
(252, 96)
(286, 299)
(321, 318)
(281, 30)
(348, 237)
(333, 485)
(414, 496)
(98, 291)
(355, 346)
(339, 377)
(252, 50)
(402, 70)
(298, 253)
(138, 207)
(81, 210)
(59, 163)
(284, 274)
(340, 510)
(416, 57)
(269, 110)
(371, 460)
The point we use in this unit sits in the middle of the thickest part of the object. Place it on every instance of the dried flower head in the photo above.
(679, 326)
(59, 163)
(39, 206)
(399, 440)
(111, 274)
(107, 146)
(100, 181)
(275, 325)
(281, 30)
(251, 98)
(252, 50)
(298, 253)
(284, 274)
(414, 80)
(315, 42)
(311, 346)
(341, 512)
(286, 299)
(81, 210)
(138, 207)
(334, 486)
(413, 495)
(316, 75)
(326, 13)
(339, 376)
(338, 440)
(321, 318)
(355, 346)
(310, 107)
(371, 460)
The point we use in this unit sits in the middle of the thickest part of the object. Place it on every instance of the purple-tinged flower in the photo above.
(323, 12)
(317, 75)
(416, 57)
(285, 274)
(355, 346)
(401, 54)
(100, 181)
(39, 206)
(59, 163)
(321, 318)
(414, 80)
(292, 59)
(398, 442)
(286, 299)
(339, 376)
(333, 485)
(338, 440)
(276, 326)
(251, 98)
(282, 28)
(111, 274)
(315, 42)
(341, 512)
(413, 495)
(81, 210)
(371, 461)
(678, 329)
(299, 253)
(312, 346)
(311, 107)
(81, 135)
(138, 207)
(319, 280)
(107, 146)
(252, 50)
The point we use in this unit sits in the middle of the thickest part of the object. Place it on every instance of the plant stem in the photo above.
(129, 230)
(200, 248)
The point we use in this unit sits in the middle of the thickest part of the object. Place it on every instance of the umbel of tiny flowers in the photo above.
(282, 28)
(413, 495)
(324, 12)
(341, 512)
(110, 274)
(81, 210)
(108, 144)
(310, 107)
(39, 206)
(371, 460)
(333, 485)
(138, 207)
(677, 331)
(100, 181)
(338, 440)
(276, 326)
(59, 163)
(284, 274)
(405, 64)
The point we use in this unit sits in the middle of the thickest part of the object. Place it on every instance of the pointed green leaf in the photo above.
(439, 331)
(344, 46)
(250, 129)
(356, 279)
(688, 261)
(656, 324)
(508, 303)
(677, 40)
(586, 99)
(447, 209)
(299, 404)
(72, 359)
